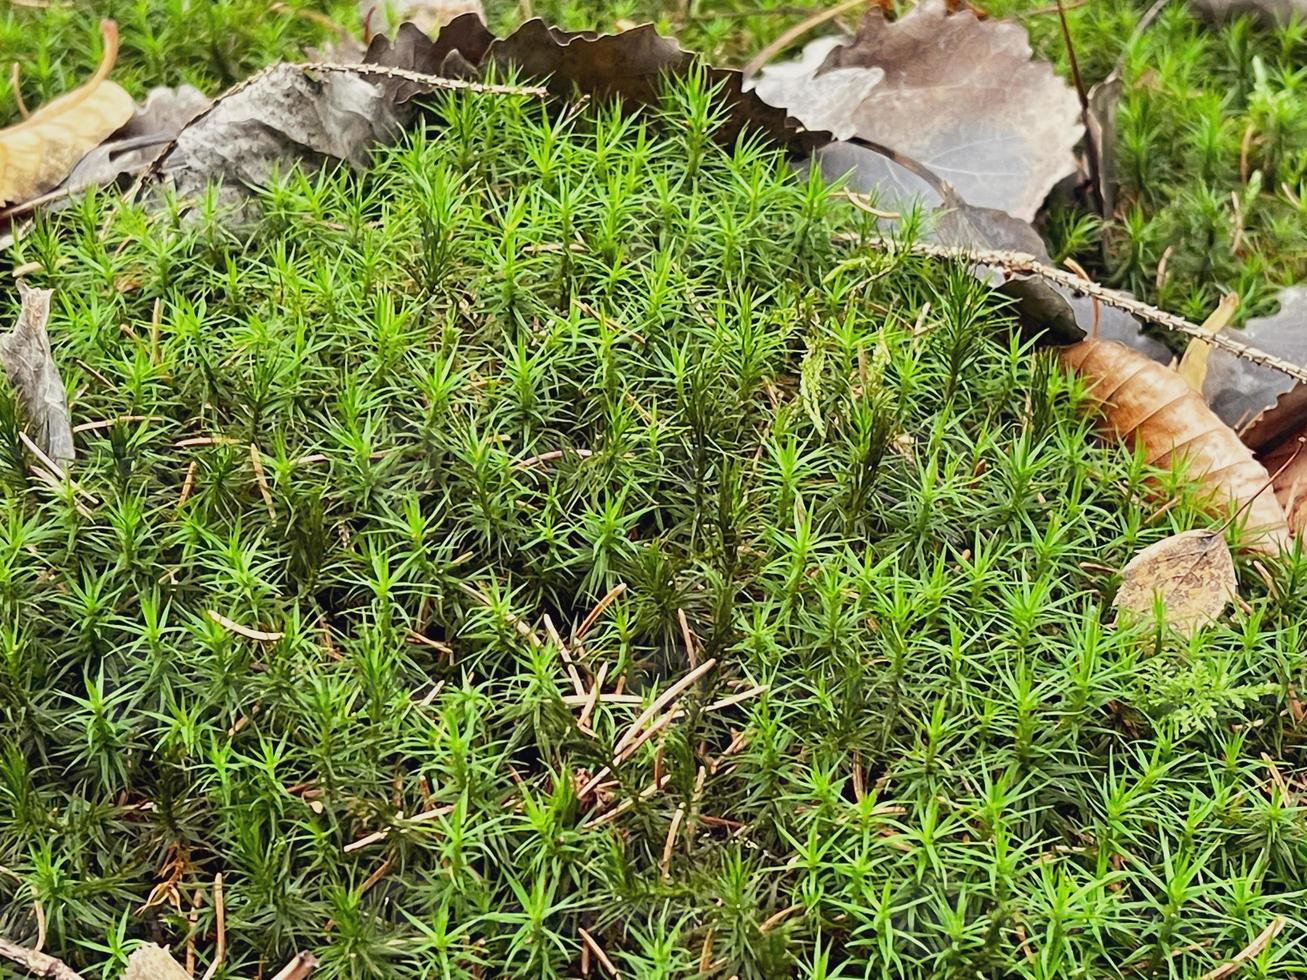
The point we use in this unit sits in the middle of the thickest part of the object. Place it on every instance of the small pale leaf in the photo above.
(1191, 574)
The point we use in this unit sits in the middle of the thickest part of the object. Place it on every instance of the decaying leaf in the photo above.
(631, 65)
(1193, 365)
(155, 122)
(1276, 11)
(34, 376)
(385, 16)
(1239, 390)
(1148, 405)
(961, 95)
(38, 152)
(283, 116)
(1278, 438)
(151, 961)
(1191, 574)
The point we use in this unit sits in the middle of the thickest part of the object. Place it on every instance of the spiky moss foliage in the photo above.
(523, 360)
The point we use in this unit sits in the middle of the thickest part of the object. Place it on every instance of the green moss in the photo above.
(524, 361)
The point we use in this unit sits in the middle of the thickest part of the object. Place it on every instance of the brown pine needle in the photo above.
(592, 699)
(261, 479)
(688, 638)
(665, 865)
(297, 969)
(220, 923)
(188, 484)
(600, 955)
(577, 685)
(775, 920)
(231, 626)
(1248, 952)
(666, 698)
(598, 610)
(381, 835)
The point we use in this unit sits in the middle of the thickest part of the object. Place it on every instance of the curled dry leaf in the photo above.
(1190, 573)
(1239, 390)
(1148, 405)
(961, 95)
(283, 116)
(631, 65)
(1277, 438)
(38, 152)
(34, 376)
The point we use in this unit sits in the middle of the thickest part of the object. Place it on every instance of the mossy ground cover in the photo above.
(526, 359)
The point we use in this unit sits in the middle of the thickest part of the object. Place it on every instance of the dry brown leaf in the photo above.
(961, 95)
(34, 376)
(1277, 438)
(1193, 365)
(37, 153)
(1148, 405)
(632, 66)
(1190, 573)
(385, 16)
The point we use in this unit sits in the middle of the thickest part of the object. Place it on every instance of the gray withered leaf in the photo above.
(34, 376)
(963, 96)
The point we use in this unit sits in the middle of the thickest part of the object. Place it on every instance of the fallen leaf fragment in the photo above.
(385, 16)
(34, 376)
(1190, 573)
(1193, 364)
(1277, 438)
(1239, 390)
(963, 96)
(155, 121)
(38, 152)
(1146, 404)
(1271, 11)
(151, 961)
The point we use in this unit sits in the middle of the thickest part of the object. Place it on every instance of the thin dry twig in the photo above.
(1248, 952)
(578, 686)
(665, 865)
(647, 793)
(1022, 263)
(220, 922)
(797, 31)
(598, 610)
(592, 699)
(600, 955)
(663, 700)
(41, 964)
(688, 638)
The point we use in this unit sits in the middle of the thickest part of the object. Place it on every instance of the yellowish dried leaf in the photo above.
(1193, 365)
(1191, 574)
(1149, 405)
(37, 153)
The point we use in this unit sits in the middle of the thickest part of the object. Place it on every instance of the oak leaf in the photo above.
(1148, 405)
(38, 152)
